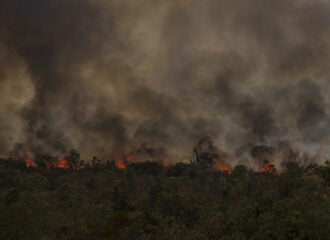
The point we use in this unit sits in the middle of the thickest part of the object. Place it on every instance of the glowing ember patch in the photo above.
(64, 164)
(225, 169)
(30, 164)
(122, 164)
(268, 167)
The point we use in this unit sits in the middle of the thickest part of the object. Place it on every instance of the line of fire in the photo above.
(205, 155)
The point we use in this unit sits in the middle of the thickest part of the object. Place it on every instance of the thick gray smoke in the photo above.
(98, 75)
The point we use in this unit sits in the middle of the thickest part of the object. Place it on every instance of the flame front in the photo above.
(64, 164)
(122, 163)
(268, 167)
(30, 164)
(225, 169)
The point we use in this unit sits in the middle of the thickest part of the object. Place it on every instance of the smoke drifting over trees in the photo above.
(97, 75)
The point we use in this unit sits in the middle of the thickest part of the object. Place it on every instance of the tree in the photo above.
(206, 153)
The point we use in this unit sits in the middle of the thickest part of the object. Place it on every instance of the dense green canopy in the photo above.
(149, 201)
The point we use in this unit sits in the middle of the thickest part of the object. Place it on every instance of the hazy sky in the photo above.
(98, 75)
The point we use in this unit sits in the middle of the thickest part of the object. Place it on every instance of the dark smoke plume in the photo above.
(98, 75)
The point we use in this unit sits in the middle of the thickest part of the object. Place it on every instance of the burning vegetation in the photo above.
(163, 78)
(30, 164)
(193, 108)
(225, 169)
(206, 156)
(64, 164)
(268, 167)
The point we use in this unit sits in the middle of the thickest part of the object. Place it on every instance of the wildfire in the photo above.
(268, 167)
(30, 164)
(226, 169)
(64, 164)
(122, 163)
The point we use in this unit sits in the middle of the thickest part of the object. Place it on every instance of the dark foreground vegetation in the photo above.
(149, 201)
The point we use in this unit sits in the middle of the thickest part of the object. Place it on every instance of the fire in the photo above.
(64, 164)
(225, 169)
(30, 164)
(122, 163)
(268, 167)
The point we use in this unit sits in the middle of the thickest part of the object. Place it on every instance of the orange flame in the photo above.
(122, 163)
(30, 164)
(226, 169)
(63, 164)
(268, 167)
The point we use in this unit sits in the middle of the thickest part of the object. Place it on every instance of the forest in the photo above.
(207, 119)
(147, 200)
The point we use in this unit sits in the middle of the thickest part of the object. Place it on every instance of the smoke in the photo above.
(99, 75)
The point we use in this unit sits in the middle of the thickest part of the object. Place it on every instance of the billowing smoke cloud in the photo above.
(99, 75)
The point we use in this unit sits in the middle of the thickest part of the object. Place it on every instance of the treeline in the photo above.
(150, 201)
